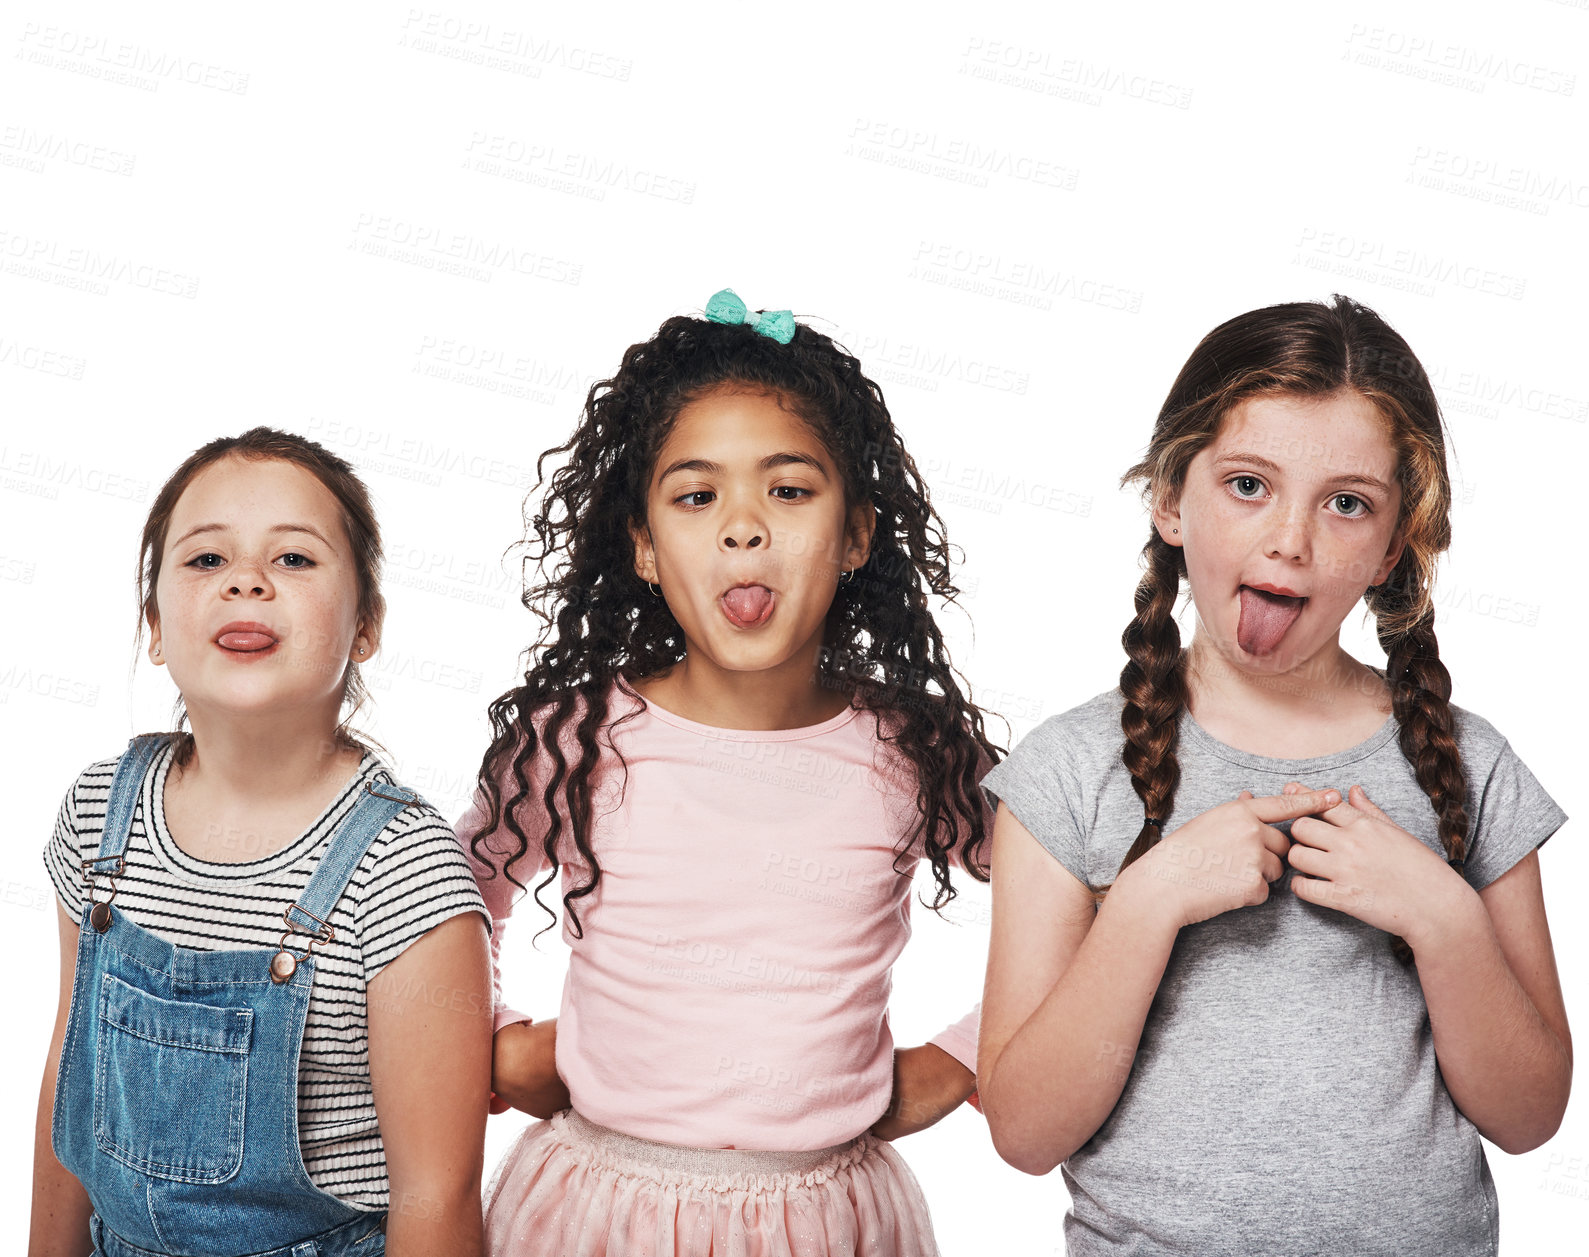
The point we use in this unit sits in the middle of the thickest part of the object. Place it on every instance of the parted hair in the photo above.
(358, 519)
(600, 625)
(1306, 349)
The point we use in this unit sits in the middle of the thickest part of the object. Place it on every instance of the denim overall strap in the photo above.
(123, 802)
(176, 1099)
(378, 803)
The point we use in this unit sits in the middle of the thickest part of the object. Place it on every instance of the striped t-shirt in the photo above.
(413, 877)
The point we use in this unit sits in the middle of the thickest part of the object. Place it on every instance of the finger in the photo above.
(1245, 794)
(1295, 787)
(1358, 797)
(1325, 893)
(1309, 888)
(1310, 831)
(1343, 813)
(1271, 866)
(1306, 860)
(1274, 839)
(1287, 807)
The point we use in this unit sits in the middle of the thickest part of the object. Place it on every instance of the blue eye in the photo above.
(1344, 503)
(1246, 487)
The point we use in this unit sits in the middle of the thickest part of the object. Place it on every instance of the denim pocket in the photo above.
(169, 1084)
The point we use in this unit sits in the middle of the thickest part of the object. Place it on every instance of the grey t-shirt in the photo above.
(1285, 1097)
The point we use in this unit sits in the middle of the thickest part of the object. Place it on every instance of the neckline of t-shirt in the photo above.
(1292, 767)
(749, 735)
(198, 872)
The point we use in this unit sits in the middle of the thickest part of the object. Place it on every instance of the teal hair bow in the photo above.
(726, 307)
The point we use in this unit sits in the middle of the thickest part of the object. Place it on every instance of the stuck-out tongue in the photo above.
(246, 641)
(748, 601)
(1265, 617)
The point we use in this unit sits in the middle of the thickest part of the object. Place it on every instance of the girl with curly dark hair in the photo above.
(738, 735)
(1238, 1039)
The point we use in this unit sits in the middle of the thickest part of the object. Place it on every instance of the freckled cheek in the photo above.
(1204, 581)
(181, 618)
(325, 624)
(1347, 565)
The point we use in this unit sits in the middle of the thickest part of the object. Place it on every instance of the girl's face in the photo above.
(746, 531)
(257, 599)
(1286, 517)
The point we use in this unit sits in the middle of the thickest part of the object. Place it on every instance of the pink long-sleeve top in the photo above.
(731, 985)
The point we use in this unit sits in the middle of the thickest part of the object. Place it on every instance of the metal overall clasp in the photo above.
(285, 962)
(99, 916)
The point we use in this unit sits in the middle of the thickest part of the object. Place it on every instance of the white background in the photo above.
(1021, 223)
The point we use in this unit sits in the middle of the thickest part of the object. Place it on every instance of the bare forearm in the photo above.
(59, 1225)
(524, 1068)
(1505, 1068)
(435, 1221)
(929, 1084)
(1061, 1074)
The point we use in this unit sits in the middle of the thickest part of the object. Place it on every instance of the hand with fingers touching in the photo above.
(1355, 859)
(524, 1069)
(929, 1084)
(1224, 858)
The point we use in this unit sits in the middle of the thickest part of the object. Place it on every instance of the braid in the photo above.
(1154, 684)
(1422, 698)
(1420, 690)
(1306, 350)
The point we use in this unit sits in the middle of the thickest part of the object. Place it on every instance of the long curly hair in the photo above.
(1306, 349)
(600, 624)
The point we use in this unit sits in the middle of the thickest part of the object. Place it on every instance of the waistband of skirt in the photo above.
(632, 1154)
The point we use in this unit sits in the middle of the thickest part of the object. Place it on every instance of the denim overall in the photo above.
(176, 1098)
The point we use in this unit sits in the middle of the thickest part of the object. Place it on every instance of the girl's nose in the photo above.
(1291, 536)
(249, 578)
(743, 528)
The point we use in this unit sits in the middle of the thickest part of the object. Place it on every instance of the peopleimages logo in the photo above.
(498, 48)
(431, 246)
(79, 266)
(117, 61)
(1422, 56)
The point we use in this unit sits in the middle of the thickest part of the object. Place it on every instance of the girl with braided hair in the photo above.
(1269, 948)
(739, 734)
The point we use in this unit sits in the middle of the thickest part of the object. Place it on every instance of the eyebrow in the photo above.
(784, 458)
(1257, 460)
(275, 530)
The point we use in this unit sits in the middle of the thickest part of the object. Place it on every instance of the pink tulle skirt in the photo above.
(570, 1188)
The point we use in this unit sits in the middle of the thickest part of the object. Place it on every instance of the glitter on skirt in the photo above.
(571, 1188)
